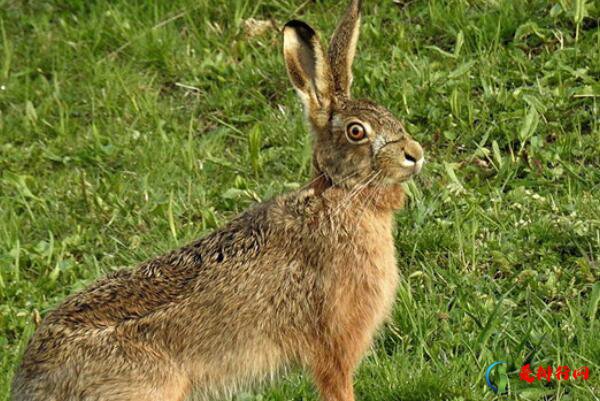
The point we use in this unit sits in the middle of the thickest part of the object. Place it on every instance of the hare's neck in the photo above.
(389, 198)
(378, 197)
(381, 200)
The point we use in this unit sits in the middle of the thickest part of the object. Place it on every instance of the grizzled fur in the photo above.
(302, 280)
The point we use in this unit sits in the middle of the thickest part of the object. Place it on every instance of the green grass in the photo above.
(130, 128)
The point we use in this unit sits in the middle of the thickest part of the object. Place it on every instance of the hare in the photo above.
(304, 279)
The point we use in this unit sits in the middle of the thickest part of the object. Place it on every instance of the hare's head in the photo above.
(356, 141)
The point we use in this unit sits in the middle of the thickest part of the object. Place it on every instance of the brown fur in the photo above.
(304, 279)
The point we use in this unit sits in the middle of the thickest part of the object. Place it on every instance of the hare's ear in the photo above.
(343, 48)
(308, 70)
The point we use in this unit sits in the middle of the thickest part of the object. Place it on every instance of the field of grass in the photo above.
(128, 128)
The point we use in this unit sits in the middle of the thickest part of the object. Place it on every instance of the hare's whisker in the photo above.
(354, 192)
(315, 179)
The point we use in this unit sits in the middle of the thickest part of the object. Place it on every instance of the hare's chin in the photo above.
(412, 166)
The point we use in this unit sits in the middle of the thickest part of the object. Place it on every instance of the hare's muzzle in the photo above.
(413, 156)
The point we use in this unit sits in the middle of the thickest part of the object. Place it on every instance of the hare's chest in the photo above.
(378, 285)
(367, 278)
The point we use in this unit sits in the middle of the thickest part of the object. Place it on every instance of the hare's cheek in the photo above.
(387, 170)
(344, 162)
(389, 158)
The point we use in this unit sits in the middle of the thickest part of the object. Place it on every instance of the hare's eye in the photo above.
(356, 132)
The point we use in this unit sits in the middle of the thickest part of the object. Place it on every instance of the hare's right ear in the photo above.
(343, 48)
(308, 69)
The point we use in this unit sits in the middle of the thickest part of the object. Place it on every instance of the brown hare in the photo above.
(304, 279)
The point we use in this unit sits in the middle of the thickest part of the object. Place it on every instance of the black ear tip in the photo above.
(302, 29)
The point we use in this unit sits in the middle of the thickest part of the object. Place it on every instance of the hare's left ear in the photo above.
(308, 69)
(343, 48)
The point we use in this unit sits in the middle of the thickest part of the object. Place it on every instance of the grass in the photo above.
(130, 128)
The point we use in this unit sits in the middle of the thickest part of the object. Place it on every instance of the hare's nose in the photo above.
(413, 156)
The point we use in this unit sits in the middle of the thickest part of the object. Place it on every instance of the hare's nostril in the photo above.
(413, 151)
(410, 157)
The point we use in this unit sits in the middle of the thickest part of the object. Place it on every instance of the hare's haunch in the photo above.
(302, 280)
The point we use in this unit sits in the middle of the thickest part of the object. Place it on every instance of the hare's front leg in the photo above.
(333, 376)
(333, 365)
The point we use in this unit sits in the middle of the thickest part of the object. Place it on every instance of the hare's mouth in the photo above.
(402, 171)
(413, 166)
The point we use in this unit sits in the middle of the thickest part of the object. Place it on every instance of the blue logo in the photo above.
(502, 378)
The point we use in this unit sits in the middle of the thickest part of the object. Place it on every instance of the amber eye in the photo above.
(356, 132)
